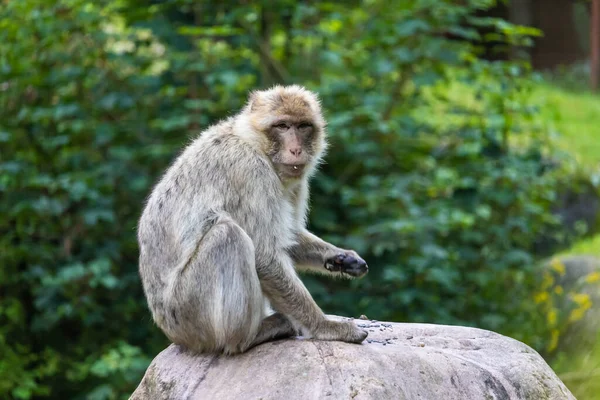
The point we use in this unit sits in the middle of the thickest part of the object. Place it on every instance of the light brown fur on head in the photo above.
(294, 100)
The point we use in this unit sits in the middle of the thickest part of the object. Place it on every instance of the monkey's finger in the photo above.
(356, 269)
(354, 266)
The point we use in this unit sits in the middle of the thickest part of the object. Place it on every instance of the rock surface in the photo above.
(398, 361)
(582, 335)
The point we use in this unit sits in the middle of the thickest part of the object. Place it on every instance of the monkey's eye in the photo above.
(305, 125)
(281, 125)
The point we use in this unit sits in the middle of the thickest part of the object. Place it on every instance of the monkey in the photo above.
(223, 233)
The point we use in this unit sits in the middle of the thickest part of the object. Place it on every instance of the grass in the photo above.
(581, 373)
(575, 116)
(587, 246)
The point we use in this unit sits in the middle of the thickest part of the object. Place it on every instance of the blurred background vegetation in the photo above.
(464, 166)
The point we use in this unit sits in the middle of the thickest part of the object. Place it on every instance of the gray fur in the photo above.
(224, 230)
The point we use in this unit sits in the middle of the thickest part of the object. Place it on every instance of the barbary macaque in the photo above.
(223, 233)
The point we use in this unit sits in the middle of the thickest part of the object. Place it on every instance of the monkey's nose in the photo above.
(296, 151)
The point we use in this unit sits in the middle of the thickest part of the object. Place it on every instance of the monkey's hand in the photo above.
(349, 263)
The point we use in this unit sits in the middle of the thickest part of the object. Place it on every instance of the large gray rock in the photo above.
(398, 361)
(578, 266)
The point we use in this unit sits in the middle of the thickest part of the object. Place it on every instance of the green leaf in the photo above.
(411, 27)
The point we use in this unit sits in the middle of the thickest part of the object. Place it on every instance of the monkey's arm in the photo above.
(288, 296)
(313, 254)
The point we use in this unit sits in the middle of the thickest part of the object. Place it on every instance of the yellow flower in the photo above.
(558, 266)
(541, 297)
(553, 340)
(583, 300)
(552, 317)
(558, 290)
(576, 314)
(593, 277)
(547, 281)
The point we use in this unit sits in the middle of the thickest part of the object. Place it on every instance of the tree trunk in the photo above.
(595, 44)
(559, 45)
(267, 77)
(520, 12)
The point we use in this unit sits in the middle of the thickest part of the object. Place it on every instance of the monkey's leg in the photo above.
(288, 295)
(217, 302)
(275, 326)
(313, 254)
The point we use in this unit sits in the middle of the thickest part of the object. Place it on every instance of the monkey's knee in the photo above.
(221, 291)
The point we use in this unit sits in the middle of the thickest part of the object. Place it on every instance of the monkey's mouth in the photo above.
(292, 170)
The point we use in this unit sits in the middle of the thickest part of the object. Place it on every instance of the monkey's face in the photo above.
(292, 148)
(292, 129)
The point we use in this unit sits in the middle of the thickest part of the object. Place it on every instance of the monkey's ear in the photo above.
(253, 100)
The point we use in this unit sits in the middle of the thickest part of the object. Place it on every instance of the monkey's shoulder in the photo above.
(227, 156)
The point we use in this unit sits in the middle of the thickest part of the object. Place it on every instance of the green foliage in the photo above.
(74, 101)
(445, 195)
